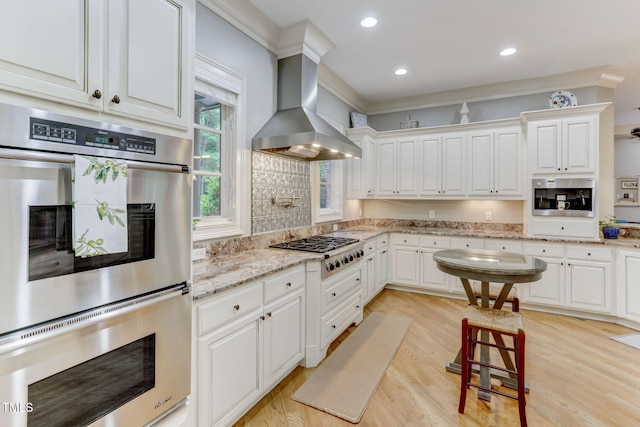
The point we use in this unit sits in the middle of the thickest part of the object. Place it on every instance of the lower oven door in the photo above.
(116, 366)
(42, 279)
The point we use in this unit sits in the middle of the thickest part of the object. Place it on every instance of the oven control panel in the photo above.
(342, 260)
(65, 133)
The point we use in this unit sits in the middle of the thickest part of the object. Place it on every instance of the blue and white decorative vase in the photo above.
(610, 232)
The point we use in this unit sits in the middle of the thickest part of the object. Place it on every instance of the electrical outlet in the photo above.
(200, 253)
(432, 214)
(335, 227)
(488, 216)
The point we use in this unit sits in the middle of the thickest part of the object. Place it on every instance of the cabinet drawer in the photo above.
(466, 243)
(382, 241)
(281, 284)
(228, 306)
(370, 246)
(544, 249)
(503, 245)
(566, 228)
(439, 242)
(405, 239)
(335, 322)
(591, 253)
(336, 290)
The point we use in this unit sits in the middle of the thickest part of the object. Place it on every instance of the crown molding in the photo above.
(340, 89)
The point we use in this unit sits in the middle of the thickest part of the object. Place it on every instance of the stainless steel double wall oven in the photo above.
(103, 340)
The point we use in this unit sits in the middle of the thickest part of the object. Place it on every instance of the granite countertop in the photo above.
(228, 271)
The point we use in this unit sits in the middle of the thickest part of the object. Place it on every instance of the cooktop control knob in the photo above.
(337, 264)
(330, 266)
(345, 260)
(351, 257)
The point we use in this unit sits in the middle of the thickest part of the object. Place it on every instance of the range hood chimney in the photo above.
(296, 129)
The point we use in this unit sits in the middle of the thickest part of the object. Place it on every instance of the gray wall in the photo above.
(223, 43)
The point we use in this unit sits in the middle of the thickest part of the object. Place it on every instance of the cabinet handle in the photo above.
(236, 307)
(333, 294)
(261, 317)
(370, 259)
(358, 307)
(115, 99)
(357, 279)
(97, 94)
(333, 326)
(384, 252)
(269, 314)
(288, 284)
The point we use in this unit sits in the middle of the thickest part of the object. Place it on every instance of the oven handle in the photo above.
(54, 329)
(7, 153)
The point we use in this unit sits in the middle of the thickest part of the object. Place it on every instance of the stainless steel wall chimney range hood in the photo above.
(296, 129)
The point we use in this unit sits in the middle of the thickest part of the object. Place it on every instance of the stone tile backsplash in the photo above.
(282, 177)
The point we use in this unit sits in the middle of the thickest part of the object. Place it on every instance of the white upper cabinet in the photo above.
(397, 167)
(563, 145)
(494, 164)
(442, 164)
(123, 57)
(361, 172)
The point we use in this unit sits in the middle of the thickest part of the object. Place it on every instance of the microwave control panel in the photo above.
(65, 133)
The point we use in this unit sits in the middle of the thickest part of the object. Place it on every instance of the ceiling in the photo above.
(447, 45)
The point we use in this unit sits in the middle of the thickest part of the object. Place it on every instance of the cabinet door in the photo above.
(545, 147)
(230, 371)
(481, 164)
(405, 265)
(579, 144)
(589, 286)
(146, 63)
(283, 337)
(550, 289)
(52, 50)
(629, 300)
(355, 179)
(382, 260)
(507, 171)
(453, 165)
(430, 156)
(406, 167)
(431, 277)
(369, 282)
(369, 166)
(386, 168)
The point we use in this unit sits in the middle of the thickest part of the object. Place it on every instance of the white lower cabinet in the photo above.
(578, 277)
(412, 261)
(628, 269)
(374, 269)
(248, 340)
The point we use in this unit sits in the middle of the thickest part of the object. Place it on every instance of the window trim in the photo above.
(237, 222)
(337, 183)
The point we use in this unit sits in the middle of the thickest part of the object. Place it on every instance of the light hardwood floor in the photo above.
(578, 376)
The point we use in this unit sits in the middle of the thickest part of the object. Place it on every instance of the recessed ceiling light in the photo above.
(401, 72)
(508, 51)
(369, 22)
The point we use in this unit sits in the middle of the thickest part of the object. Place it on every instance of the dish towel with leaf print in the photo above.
(100, 206)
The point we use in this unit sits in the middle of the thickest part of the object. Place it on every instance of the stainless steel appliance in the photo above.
(339, 252)
(563, 197)
(59, 312)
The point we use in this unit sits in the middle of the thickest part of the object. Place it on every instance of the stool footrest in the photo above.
(489, 344)
(491, 390)
(489, 365)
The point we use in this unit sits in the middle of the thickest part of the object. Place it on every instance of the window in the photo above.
(219, 160)
(329, 187)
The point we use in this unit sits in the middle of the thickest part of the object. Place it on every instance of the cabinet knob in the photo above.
(544, 250)
(261, 317)
(588, 253)
(236, 307)
(357, 306)
(115, 99)
(333, 294)
(269, 314)
(333, 326)
(288, 284)
(97, 94)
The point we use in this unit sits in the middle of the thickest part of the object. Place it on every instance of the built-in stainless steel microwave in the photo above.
(564, 197)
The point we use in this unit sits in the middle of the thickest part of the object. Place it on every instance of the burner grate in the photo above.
(319, 244)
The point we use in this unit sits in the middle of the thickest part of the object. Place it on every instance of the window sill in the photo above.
(216, 231)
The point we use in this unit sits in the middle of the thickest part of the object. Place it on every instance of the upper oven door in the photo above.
(41, 277)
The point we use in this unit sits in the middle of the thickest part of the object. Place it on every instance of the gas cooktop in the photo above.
(320, 244)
